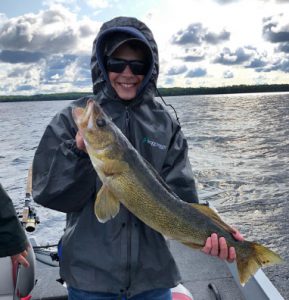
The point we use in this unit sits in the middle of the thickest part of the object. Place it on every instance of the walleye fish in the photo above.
(128, 179)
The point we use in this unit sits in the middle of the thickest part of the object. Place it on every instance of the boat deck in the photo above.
(202, 274)
(206, 277)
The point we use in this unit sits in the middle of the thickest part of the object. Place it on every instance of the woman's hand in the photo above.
(217, 246)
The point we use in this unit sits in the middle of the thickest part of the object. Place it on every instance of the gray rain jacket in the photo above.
(122, 256)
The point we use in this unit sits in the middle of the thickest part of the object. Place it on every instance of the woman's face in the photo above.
(126, 83)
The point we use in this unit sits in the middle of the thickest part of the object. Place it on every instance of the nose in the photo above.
(127, 71)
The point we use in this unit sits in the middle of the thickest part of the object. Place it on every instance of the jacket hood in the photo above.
(135, 29)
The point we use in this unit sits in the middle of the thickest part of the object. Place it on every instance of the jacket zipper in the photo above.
(127, 117)
(127, 131)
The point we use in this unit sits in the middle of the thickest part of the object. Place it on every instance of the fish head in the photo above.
(95, 127)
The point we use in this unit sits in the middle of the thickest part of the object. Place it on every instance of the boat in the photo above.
(203, 276)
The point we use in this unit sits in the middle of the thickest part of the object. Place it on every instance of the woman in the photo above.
(123, 257)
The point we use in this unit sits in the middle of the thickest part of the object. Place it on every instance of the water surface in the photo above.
(238, 148)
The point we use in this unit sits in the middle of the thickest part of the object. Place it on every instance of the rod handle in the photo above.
(29, 183)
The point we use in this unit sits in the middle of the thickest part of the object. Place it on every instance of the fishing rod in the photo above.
(29, 218)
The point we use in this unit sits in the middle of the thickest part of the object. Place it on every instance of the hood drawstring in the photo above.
(165, 103)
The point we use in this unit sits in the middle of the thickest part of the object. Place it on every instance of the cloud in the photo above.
(226, 1)
(27, 87)
(177, 70)
(228, 74)
(19, 77)
(16, 72)
(169, 81)
(192, 58)
(3, 19)
(55, 30)
(99, 4)
(276, 28)
(283, 47)
(61, 2)
(67, 69)
(14, 57)
(216, 38)
(192, 54)
(50, 48)
(78, 72)
(196, 34)
(197, 72)
(228, 57)
(257, 63)
(55, 67)
(86, 29)
(279, 65)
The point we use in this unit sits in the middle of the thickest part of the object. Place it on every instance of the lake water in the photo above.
(238, 148)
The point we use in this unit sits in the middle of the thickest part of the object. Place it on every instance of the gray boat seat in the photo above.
(6, 279)
(24, 280)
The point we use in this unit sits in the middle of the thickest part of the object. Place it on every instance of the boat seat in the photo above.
(6, 279)
(17, 282)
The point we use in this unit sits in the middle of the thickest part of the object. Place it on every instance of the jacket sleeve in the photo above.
(63, 177)
(177, 171)
(12, 237)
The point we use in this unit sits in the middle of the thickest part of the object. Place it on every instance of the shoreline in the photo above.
(165, 92)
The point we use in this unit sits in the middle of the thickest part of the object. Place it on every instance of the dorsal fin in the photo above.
(206, 210)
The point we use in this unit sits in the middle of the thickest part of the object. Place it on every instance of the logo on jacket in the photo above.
(153, 143)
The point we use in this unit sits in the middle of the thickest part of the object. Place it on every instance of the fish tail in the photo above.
(256, 257)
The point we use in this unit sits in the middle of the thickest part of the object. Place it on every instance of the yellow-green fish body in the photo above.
(129, 180)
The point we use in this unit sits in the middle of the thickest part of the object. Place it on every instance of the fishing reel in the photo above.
(29, 218)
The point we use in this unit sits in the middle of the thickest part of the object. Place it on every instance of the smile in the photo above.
(126, 85)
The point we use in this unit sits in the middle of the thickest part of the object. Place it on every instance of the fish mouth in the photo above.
(83, 120)
(92, 115)
(92, 109)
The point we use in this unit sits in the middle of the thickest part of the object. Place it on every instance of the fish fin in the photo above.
(258, 256)
(193, 245)
(106, 205)
(113, 166)
(206, 210)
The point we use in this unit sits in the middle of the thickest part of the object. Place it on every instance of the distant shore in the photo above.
(166, 92)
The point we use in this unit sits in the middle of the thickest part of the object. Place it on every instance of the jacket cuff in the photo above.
(13, 249)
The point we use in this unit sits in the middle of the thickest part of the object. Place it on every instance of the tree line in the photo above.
(174, 91)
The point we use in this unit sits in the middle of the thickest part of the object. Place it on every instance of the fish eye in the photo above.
(100, 122)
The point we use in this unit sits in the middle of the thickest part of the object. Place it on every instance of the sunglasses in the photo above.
(117, 65)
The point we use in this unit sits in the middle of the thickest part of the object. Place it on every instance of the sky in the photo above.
(45, 46)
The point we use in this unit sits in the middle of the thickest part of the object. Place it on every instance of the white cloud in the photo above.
(3, 19)
(55, 30)
(20, 79)
(50, 49)
(61, 2)
(99, 4)
(228, 74)
(230, 47)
